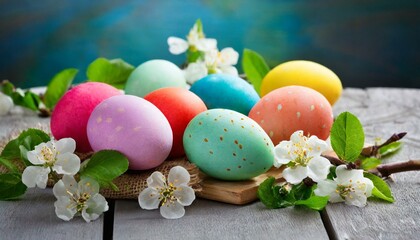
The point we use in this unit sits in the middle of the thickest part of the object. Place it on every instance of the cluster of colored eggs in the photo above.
(160, 118)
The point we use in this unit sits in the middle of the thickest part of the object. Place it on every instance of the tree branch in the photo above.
(384, 170)
(373, 150)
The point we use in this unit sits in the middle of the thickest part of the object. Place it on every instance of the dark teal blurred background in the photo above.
(365, 42)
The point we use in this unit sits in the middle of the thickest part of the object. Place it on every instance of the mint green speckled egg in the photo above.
(152, 75)
(228, 145)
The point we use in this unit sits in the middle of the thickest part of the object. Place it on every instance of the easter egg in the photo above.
(71, 113)
(226, 91)
(179, 106)
(286, 110)
(228, 145)
(133, 126)
(152, 75)
(303, 73)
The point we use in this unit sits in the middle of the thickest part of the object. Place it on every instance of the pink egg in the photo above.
(133, 126)
(288, 109)
(71, 114)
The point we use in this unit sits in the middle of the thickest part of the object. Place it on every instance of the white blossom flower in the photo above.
(196, 41)
(55, 156)
(303, 158)
(171, 196)
(214, 62)
(81, 198)
(350, 186)
(6, 103)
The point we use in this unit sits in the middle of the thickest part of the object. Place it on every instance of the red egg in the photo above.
(179, 106)
(71, 114)
(288, 109)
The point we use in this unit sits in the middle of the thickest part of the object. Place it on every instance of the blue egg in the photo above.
(226, 91)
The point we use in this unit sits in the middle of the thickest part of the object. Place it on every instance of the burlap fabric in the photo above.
(131, 183)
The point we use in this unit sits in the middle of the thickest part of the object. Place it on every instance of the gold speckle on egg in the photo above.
(221, 138)
(239, 166)
(118, 128)
(206, 140)
(215, 119)
(322, 105)
(242, 127)
(289, 92)
(323, 126)
(258, 113)
(189, 135)
(120, 109)
(298, 115)
(242, 119)
(228, 169)
(312, 107)
(234, 154)
(108, 120)
(99, 119)
(243, 159)
(136, 129)
(211, 152)
(240, 146)
(200, 123)
(279, 107)
(231, 121)
(236, 142)
(225, 130)
(271, 133)
(262, 121)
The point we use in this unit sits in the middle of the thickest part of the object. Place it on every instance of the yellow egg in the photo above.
(303, 73)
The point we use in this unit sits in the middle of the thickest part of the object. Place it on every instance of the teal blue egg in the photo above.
(152, 75)
(228, 145)
(226, 91)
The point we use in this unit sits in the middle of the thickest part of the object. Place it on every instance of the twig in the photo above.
(384, 170)
(373, 150)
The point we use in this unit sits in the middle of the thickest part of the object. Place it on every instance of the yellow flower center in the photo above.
(166, 194)
(78, 200)
(48, 155)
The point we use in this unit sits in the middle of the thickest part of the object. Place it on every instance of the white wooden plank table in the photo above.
(382, 112)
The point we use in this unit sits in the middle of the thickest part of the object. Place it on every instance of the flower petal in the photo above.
(156, 180)
(60, 190)
(149, 199)
(65, 208)
(369, 187)
(317, 146)
(206, 44)
(66, 145)
(325, 188)
(295, 175)
(89, 186)
(318, 168)
(6, 103)
(358, 200)
(195, 71)
(335, 198)
(95, 207)
(67, 163)
(228, 56)
(34, 157)
(35, 176)
(177, 45)
(178, 176)
(185, 195)
(172, 210)
(344, 175)
(230, 70)
(281, 152)
(70, 184)
(297, 137)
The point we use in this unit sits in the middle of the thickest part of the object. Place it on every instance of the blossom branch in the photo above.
(385, 170)
(373, 150)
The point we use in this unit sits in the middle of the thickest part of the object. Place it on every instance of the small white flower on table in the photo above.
(171, 196)
(55, 156)
(6, 103)
(81, 198)
(303, 158)
(350, 186)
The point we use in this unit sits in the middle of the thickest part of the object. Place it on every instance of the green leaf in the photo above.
(266, 194)
(12, 149)
(7, 87)
(381, 189)
(301, 191)
(11, 186)
(254, 67)
(347, 137)
(114, 72)
(199, 25)
(104, 166)
(389, 149)
(314, 202)
(58, 85)
(9, 165)
(370, 163)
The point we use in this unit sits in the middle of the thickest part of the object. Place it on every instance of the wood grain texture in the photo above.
(33, 217)
(384, 112)
(206, 219)
(240, 192)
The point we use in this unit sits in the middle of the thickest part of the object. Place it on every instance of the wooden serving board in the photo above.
(236, 192)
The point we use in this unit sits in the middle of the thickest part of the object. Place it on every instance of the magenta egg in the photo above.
(133, 126)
